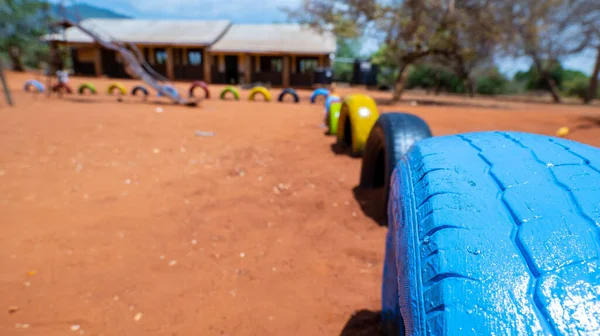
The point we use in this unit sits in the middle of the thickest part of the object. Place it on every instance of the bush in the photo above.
(493, 84)
(534, 81)
(343, 72)
(429, 77)
(578, 87)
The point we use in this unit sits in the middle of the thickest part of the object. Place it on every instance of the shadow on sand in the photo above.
(363, 323)
(370, 203)
(339, 150)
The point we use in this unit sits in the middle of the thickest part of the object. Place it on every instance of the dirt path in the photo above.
(111, 211)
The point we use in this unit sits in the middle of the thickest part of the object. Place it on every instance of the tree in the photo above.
(534, 81)
(472, 35)
(492, 83)
(21, 25)
(546, 31)
(591, 22)
(346, 48)
(456, 30)
(408, 28)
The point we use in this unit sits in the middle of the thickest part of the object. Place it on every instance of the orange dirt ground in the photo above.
(118, 220)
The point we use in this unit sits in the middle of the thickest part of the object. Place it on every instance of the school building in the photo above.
(213, 51)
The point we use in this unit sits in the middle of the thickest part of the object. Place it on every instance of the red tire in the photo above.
(202, 85)
(66, 87)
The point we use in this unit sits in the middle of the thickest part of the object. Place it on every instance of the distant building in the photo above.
(213, 51)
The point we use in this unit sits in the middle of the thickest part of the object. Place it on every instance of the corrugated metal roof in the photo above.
(269, 38)
(186, 32)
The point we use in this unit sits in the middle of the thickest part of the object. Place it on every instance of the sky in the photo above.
(269, 11)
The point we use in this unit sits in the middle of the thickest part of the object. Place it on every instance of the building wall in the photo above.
(195, 63)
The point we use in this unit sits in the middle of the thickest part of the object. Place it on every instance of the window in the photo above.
(276, 64)
(194, 57)
(161, 56)
(308, 64)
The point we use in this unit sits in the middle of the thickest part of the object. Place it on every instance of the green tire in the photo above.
(88, 86)
(334, 117)
(231, 89)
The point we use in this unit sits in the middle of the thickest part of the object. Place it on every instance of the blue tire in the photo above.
(288, 91)
(494, 234)
(169, 89)
(318, 92)
(330, 100)
(33, 83)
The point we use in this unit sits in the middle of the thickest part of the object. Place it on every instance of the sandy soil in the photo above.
(118, 220)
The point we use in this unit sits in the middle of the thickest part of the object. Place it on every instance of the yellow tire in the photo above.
(260, 90)
(122, 90)
(357, 116)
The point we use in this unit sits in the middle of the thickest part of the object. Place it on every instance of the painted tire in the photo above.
(332, 118)
(288, 91)
(202, 85)
(259, 90)
(141, 89)
(391, 137)
(39, 87)
(357, 116)
(491, 228)
(118, 86)
(169, 89)
(86, 86)
(233, 91)
(318, 92)
(62, 87)
(329, 100)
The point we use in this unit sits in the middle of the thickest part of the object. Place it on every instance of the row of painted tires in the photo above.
(266, 94)
(120, 88)
(490, 233)
(112, 88)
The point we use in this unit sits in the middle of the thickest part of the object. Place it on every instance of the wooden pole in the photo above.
(4, 85)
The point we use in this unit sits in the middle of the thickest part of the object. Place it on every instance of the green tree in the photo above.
(21, 25)
(346, 49)
(388, 68)
(591, 24)
(433, 76)
(546, 31)
(405, 26)
(410, 29)
(534, 81)
(471, 34)
(492, 83)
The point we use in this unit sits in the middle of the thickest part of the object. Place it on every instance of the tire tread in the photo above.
(503, 219)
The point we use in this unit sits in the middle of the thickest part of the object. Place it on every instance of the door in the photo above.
(231, 69)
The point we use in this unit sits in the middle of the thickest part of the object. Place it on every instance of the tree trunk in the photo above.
(470, 86)
(593, 87)
(399, 85)
(15, 58)
(553, 88)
